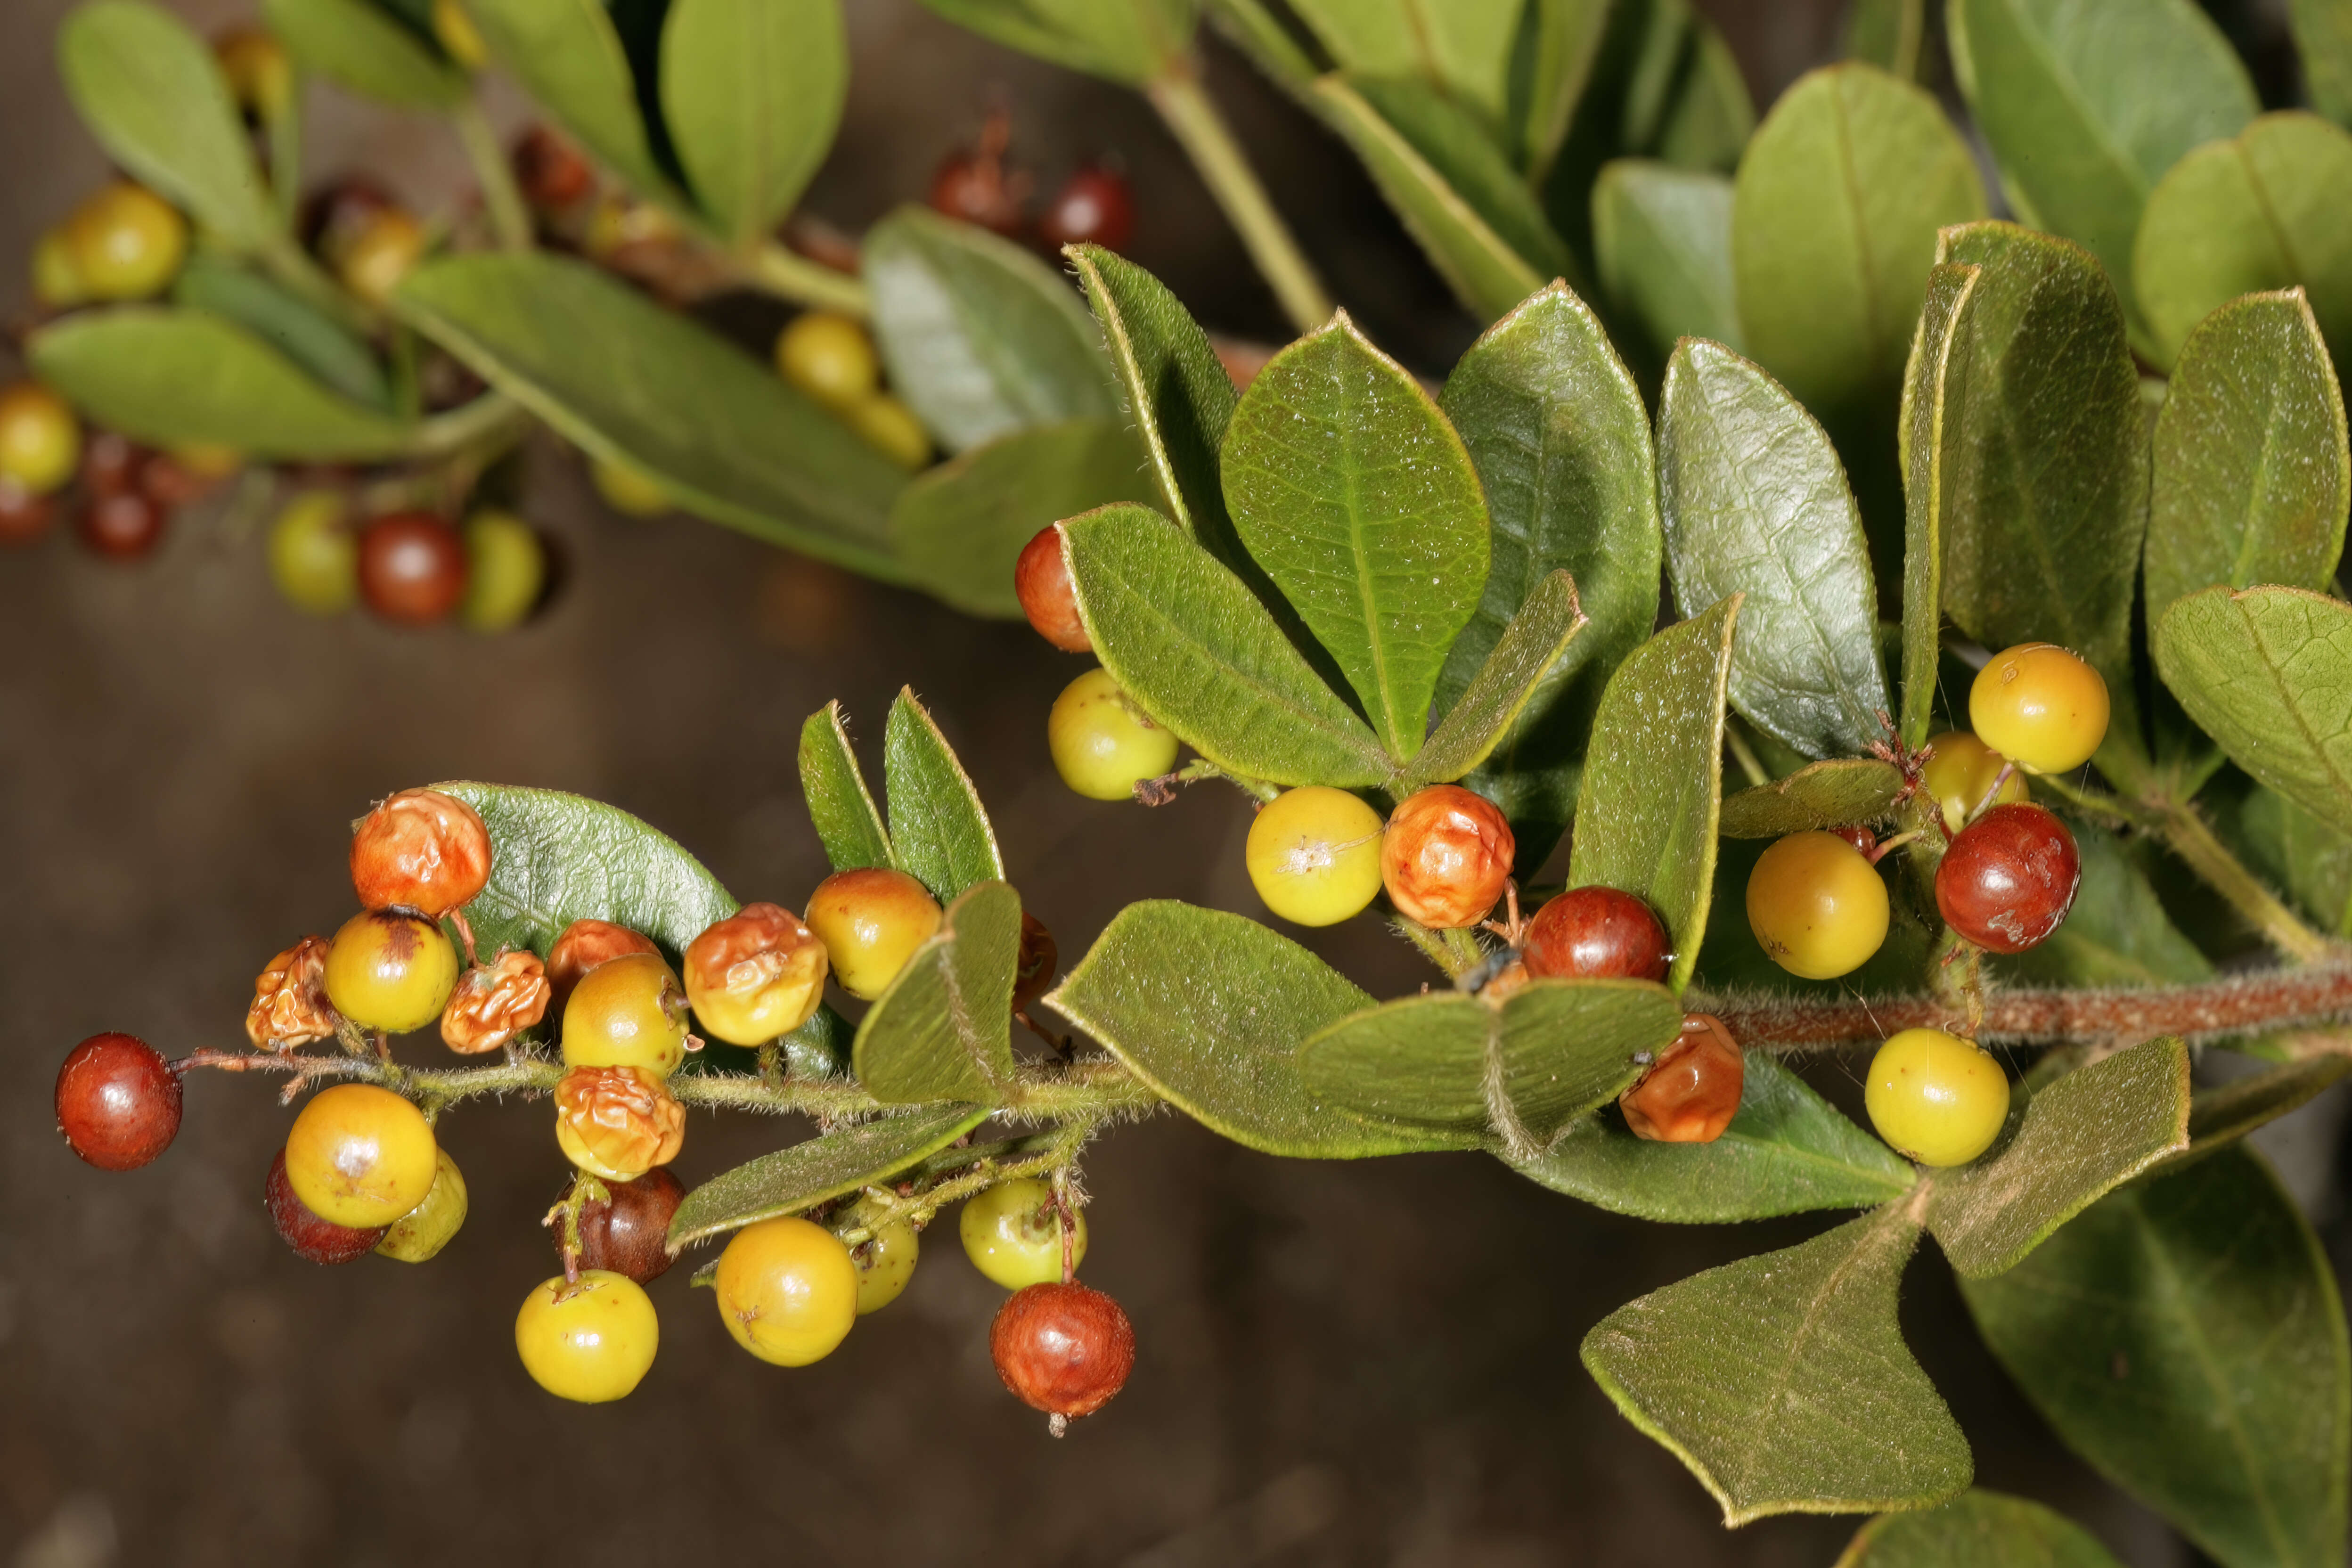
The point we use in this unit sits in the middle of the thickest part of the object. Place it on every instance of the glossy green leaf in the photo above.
(330, 354)
(2066, 1147)
(567, 56)
(2300, 854)
(2087, 103)
(2266, 210)
(1788, 1151)
(633, 382)
(2252, 470)
(1531, 646)
(1834, 216)
(2118, 932)
(1782, 1381)
(1128, 41)
(1843, 791)
(1755, 503)
(1523, 1070)
(1566, 49)
(980, 337)
(944, 1029)
(1647, 817)
(751, 92)
(172, 377)
(1662, 245)
(848, 824)
(960, 527)
(1198, 652)
(939, 830)
(1931, 438)
(1976, 1530)
(1561, 443)
(1453, 186)
(149, 89)
(356, 45)
(2267, 672)
(1210, 1009)
(1889, 34)
(1355, 494)
(831, 1166)
(2323, 38)
(1461, 47)
(2186, 1337)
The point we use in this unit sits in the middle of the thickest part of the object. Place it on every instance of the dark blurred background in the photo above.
(1341, 1363)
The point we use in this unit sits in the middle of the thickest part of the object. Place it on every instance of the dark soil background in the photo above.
(1354, 1364)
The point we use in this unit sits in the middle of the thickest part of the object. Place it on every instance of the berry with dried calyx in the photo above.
(590, 1341)
(2041, 707)
(1062, 1349)
(118, 1101)
(828, 355)
(40, 439)
(626, 1232)
(1961, 771)
(1596, 934)
(126, 242)
(422, 850)
(1936, 1098)
(753, 976)
(1013, 1233)
(1445, 856)
(787, 1291)
(617, 1122)
(1034, 970)
(890, 427)
(506, 572)
(1042, 580)
(2007, 881)
(361, 1157)
(390, 970)
(1817, 905)
(290, 999)
(885, 1259)
(1093, 206)
(125, 527)
(1691, 1092)
(870, 920)
(584, 946)
(1314, 855)
(493, 1003)
(313, 1239)
(412, 568)
(628, 1013)
(418, 1235)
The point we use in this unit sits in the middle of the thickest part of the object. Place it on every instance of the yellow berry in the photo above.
(1938, 1098)
(1817, 905)
(787, 1291)
(757, 975)
(2041, 707)
(361, 1157)
(40, 439)
(1104, 745)
(890, 427)
(1961, 771)
(57, 281)
(885, 1259)
(421, 1233)
(506, 569)
(627, 491)
(593, 1341)
(1314, 855)
(390, 971)
(1013, 1233)
(871, 920)
(372, 265)
(126, 243)
(314, 558)
(629, 1012)
(829, 357)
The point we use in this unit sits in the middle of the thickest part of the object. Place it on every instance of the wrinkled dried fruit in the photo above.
(1446, 856)
(1691, 1092)
(617, 1122)
(584, 946)
(755, 975)
(420, 850)
(290, 999)
(494, 1002)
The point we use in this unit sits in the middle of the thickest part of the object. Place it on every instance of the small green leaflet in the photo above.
(847, 822)
(1976, 1530)
(831, 1166)
(943, 1030)
(939, 830)
(2267, 672)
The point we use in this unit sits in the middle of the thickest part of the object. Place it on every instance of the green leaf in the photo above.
(1788, 1151)
(567, 56)
(1662, 245)
(1843, 791)
(980, 337)
(848, 824)
(1177, 392)
(290, 324)
(1834, 216)
(1562, 442)
(1210, 1009)
(358, 45)
(1197, 651)
(2323, 38)
(2267, 672)
(149, 89)
(1529, 649)
(2066, 1147)
(1782, 1381)
(1710, 118)
(1128, 41)
(2087, 103)
(939, 829)
(2301, 853)
(944, 1029)
(2252, 471)
(2118, 932)
(2219, 1117)
(1889, 34)
(1462, 47)
(1560, 59)
(2266, 210)
(1976, 1530)
(1930, 438)
(2186, 1337)
(1551, 1053)
(751, 92)
(960, 527)
(173, 378)
(1355, 494)
(1453, 186)
(833, 1166)
(633, 382)
(1755, 503)
(1645, 821)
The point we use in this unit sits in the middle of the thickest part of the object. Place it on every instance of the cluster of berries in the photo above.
(978, 185)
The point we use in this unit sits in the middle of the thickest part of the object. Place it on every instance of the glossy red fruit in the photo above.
(118, 1101)
(122, 527)
(1064, 1349)
(24, 516)
(312, 1238)
(1691, 1092)
(1041, 578)
(625, 1236)
(1093, 206)
(412, 568)
(111, 462)
(1595, 933)
(976, 186)
(2007, 881)
(1861, 838)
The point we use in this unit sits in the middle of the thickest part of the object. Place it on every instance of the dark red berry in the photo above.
(978, 187)
(121, 527)
(552, 174)
(171, 483)
(1861, 838)
(1064, 1349)
(2007, 881)
(24, 516)
(1042, 579)
(626, 1234)
(118, 1101)
(109, 463)
(1039, 957)
(1093, 208)
(1595, 933)
(412, 567)
(312, 1238)
(1691, 1092)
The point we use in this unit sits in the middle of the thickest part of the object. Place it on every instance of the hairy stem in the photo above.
(1210, 143)
(509, 219)
(793, 277)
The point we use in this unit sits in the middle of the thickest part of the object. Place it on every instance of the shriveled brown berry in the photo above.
(290, 999)
(1042, 579)
(1691, 1092)
(1445, 856)
(626, 1234)
(118, 1101)
(493, 1003)
(420, 850)
(24, 515)
(755, 975)
(1062, 1349)
(1039, 957)
(125, 527)
(584, 946)
(314, 1240)
(1595, 933)
(617, 1122)
(412, 568)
